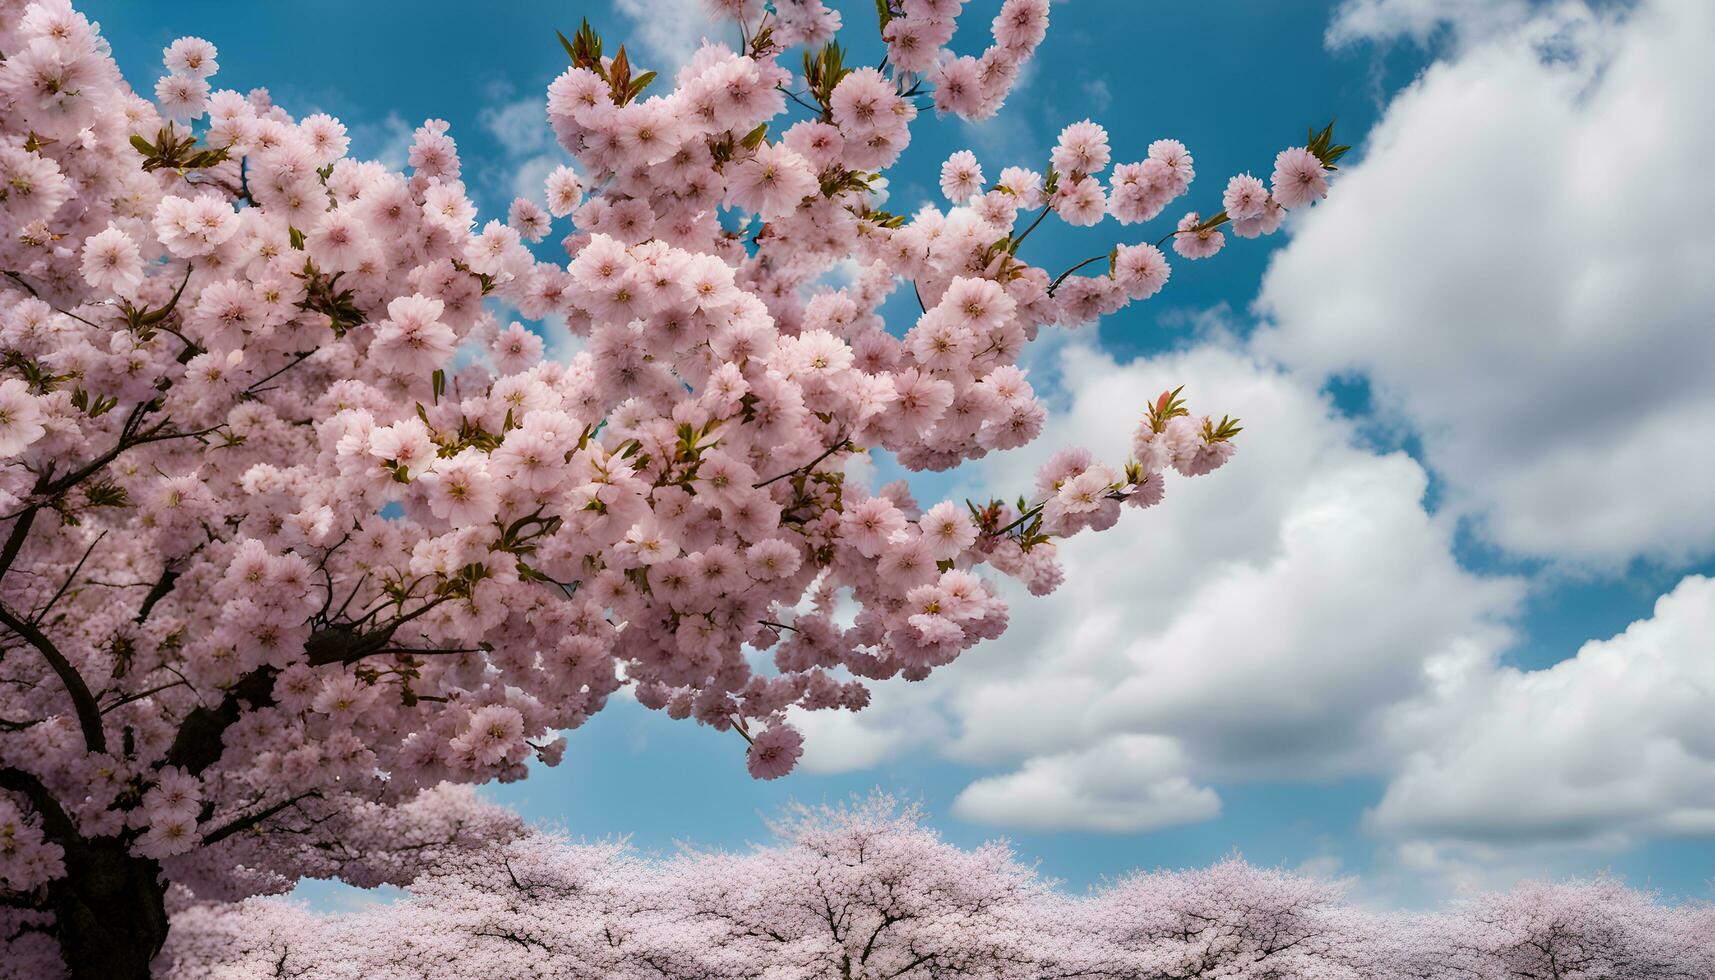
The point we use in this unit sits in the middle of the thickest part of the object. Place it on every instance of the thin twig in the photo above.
(839, 444)
(42, 616)
(1062, 277)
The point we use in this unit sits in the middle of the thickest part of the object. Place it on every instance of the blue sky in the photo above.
(1489, 555)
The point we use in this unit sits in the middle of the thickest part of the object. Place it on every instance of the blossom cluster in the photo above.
(296, 527)
(869, 892)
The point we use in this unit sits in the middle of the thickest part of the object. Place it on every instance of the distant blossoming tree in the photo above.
(294, 529)
(868, 892)
(1576, 930)
(1232, 921)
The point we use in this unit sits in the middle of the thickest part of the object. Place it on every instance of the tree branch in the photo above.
(42, 616)
(245, 823)
(839, 444)
(88, 712)
(55, 822)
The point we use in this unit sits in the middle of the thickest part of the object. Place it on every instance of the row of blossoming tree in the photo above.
(868, 892)
(293, 529)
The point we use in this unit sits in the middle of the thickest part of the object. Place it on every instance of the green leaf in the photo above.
(107, 494)
(143, 146)
(754, 138)
(570, 51)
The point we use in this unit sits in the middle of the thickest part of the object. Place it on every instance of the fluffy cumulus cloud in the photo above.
(1292, 617)
(1422, 20)
(670, 31)
(1520, 263)
(521, 128)
(1123, 783)
(1615, 743)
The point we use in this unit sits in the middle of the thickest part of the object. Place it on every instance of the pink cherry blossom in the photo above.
(774, 752)
(1299, 178)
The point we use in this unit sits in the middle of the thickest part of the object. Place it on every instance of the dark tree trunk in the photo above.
(110, 911)
(110, 908)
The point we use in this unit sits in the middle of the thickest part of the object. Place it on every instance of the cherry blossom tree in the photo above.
(868, 890)
(293, 529)
(1575, 930)
(1231, 921)
(864, 892)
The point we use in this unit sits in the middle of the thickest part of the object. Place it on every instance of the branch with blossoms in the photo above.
(297, 528)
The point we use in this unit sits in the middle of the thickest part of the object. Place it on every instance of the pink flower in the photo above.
(1267, 222)
(1197, 243)
(774, 752)
(190, 227)
(528, 219)
(338, 242)
(406, 443)
(191, 56)
(772, 559)
(961, 177)
(172, 833)
(181, 97)
(565, 191)
(1178, 160)
(1080, 201)
(1299, 178)
(868, 524)
(1083, 149)
(493, 733)
(1141, 270)
(958, 86)
(1025, 185)
(818, 142)
(1245, 197)
(112, 262)
(461, 489)
(947, 530)
(20, 418)
(1142, 190)
(980, 306)
(413, 340)
(770, 181)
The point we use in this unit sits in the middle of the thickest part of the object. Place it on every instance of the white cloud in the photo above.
(1126, 783)
(1613, 744)
(1422, 20)
(669, 32)
(839, 741)
(521, 128)
(1100, 96)
(1520, 265)
(530, 176)
(1269, 615)
(387, 141)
